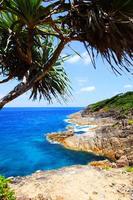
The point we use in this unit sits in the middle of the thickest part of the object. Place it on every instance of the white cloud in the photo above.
(88, 89)
(74, 59)
(1, 95)
(128, 86)
(81, 82)
(85, 58)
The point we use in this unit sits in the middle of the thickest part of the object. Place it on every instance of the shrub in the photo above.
(130, 122)
(129, 169)
(5, 192)
(107, 168)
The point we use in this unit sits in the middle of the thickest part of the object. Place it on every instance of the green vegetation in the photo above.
(120, 102)
(5, 192)
(28, 55)
(130, 122)
(129, 169)
(107, 168)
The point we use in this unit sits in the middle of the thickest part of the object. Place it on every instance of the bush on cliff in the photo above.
(120, 102)
(129, 169)
(5, 192)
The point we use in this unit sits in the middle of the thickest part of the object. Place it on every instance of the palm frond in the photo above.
(55, 84)
(106, 28)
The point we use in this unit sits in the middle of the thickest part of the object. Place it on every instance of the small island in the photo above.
(110, 135)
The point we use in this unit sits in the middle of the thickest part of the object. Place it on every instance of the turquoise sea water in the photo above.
(23, 145)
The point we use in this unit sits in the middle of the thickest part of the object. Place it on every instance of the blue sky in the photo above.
(89, 84)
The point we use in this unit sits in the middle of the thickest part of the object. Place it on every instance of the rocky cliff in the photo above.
(111, 136)
(113, 133)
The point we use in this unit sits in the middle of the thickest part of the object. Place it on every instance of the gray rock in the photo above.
(123, 161)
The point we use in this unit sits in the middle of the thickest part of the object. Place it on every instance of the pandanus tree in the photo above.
(33, 34)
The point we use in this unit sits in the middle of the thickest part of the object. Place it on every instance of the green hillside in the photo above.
(121, 102)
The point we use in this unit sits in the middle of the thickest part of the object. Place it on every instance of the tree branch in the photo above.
(6, 79)
(27, 57)
(24, 87)
(22, 55)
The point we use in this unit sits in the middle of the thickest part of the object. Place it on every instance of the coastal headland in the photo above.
(110, 134)
(107, 137)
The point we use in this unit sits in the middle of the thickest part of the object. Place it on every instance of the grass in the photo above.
(120, 102)
(130, 122)
(129, 169)
(5, 192)
(107, 168)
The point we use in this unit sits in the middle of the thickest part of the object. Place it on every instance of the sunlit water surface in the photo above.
(23, 145)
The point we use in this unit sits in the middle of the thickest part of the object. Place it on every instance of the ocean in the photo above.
(24, 148)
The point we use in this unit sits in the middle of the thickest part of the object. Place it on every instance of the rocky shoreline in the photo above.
(108, 138)
(100, 180)
(109, 133)
(75, 183)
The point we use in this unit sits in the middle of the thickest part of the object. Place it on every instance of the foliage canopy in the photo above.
(33, 34)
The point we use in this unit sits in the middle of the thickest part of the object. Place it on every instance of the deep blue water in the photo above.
(23, 145)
